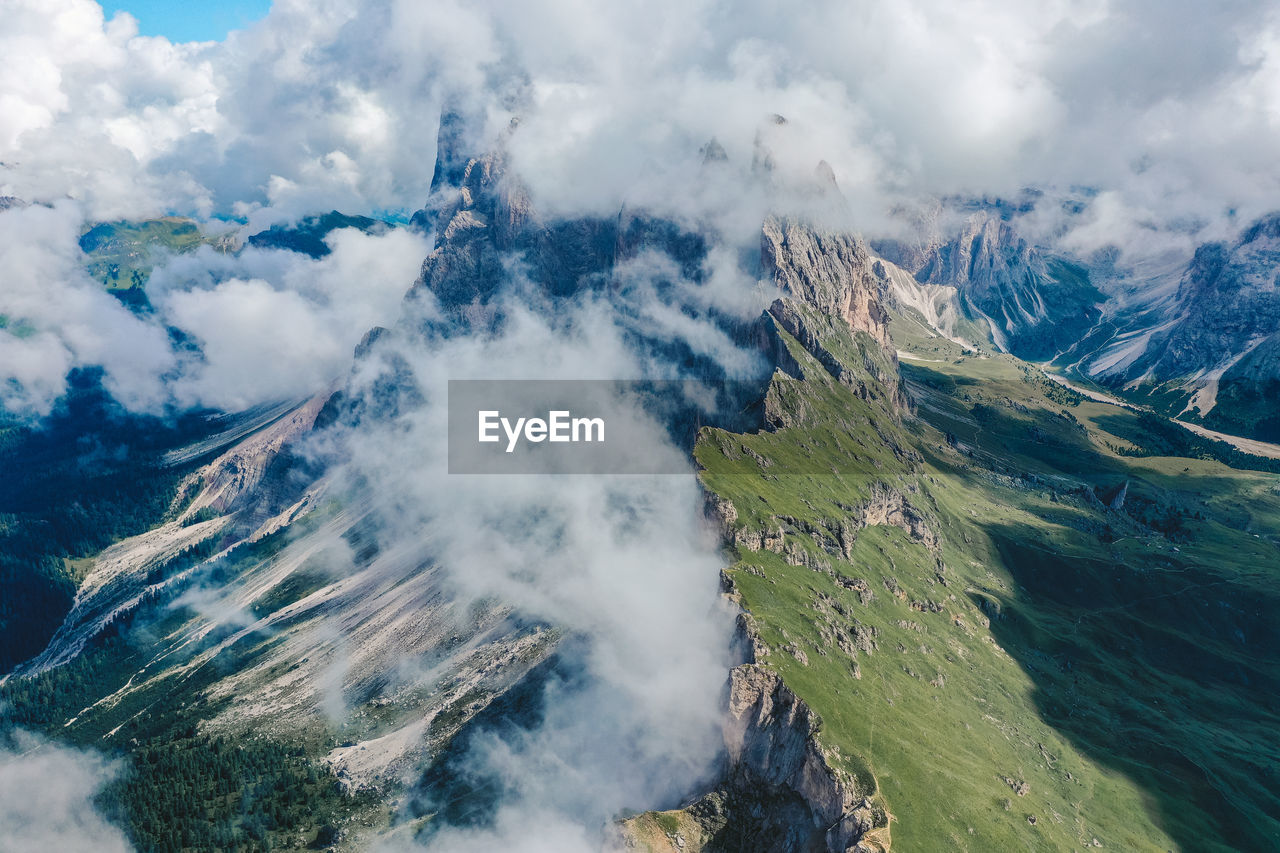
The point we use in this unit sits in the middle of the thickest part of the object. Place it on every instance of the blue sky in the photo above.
(190, 20)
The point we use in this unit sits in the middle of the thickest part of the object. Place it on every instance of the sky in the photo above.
(191, 20)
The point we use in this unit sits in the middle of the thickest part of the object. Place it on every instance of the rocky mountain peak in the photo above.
(1265, 228)
(829, 270)
(1228, 305)
(762, 161)
(452, 143)
(987, 254)
(1034, 304)
(713, 152)
(490, 224)
(826, 175)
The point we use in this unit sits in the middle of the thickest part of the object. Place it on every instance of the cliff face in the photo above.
(1034, 304)
(783, 788)
(885, 505)
(771, 738)
(1214, 353)
(475, 228)
(832, 278)
(833, 272)
(1229, 303)
(781, 791)
(488, 234)
(871, 370)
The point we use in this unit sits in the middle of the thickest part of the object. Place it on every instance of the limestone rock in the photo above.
(831, 271)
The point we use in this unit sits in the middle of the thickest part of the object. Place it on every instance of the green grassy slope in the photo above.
(121, 254)
(1050, 671)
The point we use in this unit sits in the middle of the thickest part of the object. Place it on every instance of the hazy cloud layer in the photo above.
(622, 565)
(332, 103)
(272, 324)
(1162, 119)
(47, 798)
(269, 324)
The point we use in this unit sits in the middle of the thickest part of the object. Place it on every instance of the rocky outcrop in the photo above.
(888, 506)
(831, 271)
(885, 506)
(771, 738)
(1117, 501)
(830, 277)
(232, 481)
(489, 236)
(1205, 345)
(871, 371)
(782, 790)
(1228, 306)
(1035, 304)
(475, 229)
(938, 304)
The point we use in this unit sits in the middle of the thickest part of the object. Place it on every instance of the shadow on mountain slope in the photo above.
(1164, 673)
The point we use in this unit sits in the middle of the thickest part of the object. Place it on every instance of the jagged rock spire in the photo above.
(452, 147)
(713, 152)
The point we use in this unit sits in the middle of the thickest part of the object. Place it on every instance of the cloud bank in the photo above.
(332, 103)
(47, 797)
(621, 565)
(265, 324)
(1158, 118)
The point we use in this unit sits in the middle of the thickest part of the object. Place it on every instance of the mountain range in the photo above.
(982, 587)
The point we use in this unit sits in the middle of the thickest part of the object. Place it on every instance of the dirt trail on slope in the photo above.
(1246, 445)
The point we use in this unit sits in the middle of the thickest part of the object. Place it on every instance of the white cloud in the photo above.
(58, 318)
(47, 797)
(330, 102)
(274, 325)
(622, 565)
(271, 324)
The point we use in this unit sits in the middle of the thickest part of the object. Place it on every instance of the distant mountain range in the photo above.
(1198, 339)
